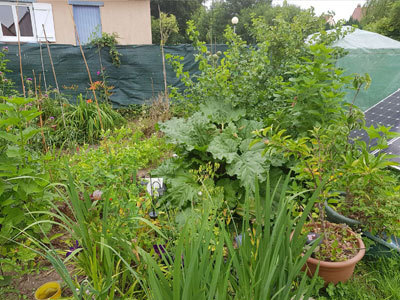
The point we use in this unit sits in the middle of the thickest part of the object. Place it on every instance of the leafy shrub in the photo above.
(6, 85)
(252, 77)
(312, 96)
(371, 190)
(110, 41)
(23, 179)
(114, 163)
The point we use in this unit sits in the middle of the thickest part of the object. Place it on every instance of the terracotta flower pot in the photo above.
(333, 272)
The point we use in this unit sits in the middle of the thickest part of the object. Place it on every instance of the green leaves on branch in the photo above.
(22, 176)
(211, 136)
(109, 41)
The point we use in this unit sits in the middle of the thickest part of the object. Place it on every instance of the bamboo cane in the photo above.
(87, 69)
(54, 74)
(40, 110)
(19, 52)
(163, 58)
(41, 59)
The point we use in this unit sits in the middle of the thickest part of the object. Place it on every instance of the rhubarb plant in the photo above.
(219, 134)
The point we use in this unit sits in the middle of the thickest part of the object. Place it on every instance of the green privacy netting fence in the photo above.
(138, 79)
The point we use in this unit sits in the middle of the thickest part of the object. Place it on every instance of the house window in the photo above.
(17, 19)
(26, 20)
(87, 19)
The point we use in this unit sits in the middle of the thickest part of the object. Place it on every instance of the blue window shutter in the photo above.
(88, 22)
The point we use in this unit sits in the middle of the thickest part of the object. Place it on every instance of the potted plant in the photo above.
(311, 158)
(336, 256)
(371, 200)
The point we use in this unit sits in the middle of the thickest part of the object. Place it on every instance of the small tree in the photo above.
(168, 25)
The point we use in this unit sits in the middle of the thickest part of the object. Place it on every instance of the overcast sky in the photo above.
(343, 8)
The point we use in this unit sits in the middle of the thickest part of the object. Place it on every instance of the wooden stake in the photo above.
(41, 59)
(163, 58)
(87, 69)
(40, 109)
(54, 74)
(19, 51)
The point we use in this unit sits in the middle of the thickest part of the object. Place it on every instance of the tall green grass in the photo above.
(104, 262)
(265, 265)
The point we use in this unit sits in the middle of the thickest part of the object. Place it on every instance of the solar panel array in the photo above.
(386, 113)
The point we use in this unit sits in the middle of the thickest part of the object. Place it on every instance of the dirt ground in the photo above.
(25, 286)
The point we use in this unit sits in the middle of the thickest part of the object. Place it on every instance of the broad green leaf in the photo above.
(9, 137)
(30, 114)
(14, 215)
(220, 112)
(194, 133)
(18, 100)
(184, 189)
(30, 187)
(9, 121)
(248, 166)
(13, 151)
(5, 107)
(246, 127)
(225, 145)
(8, 202)
(29, 133)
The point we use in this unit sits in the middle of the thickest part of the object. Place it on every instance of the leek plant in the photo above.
(265, 264)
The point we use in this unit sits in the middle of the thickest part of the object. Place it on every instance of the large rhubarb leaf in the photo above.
(225, 145)
(193, 133)
(221, 113)
(247, 167)
(182, 189)
(246, 127)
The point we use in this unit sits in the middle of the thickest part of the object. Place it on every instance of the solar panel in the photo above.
(386, 113)
(394, 149)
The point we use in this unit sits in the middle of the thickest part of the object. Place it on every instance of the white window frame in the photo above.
(14, 12)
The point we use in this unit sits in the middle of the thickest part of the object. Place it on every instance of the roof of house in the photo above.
(358, 13)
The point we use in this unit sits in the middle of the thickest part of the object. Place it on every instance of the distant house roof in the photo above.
(358, 13)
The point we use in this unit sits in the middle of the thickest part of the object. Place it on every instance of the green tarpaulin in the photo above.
(377, 55)
(138, 79)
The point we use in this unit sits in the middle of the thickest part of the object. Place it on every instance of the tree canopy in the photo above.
(211, 23)
(382, 16)
(183, 10)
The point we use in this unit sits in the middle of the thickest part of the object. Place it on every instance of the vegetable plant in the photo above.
(218, 134)
(23, 178)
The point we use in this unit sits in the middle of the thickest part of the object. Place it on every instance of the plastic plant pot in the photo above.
(49, 290)
(334, 217)
(382, 247)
